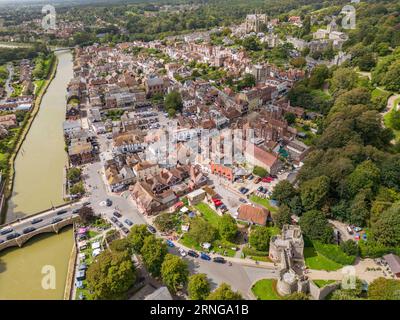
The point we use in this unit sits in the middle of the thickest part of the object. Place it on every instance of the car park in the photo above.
(219, 260)
(205, 256)
(125, 230)
(193, 254)
(119, 224)
(128, 222)
(114, 219)
(28, 229)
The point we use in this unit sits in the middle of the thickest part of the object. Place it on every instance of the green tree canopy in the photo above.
(259, 238)
(315, 225)
(137, 235)
(174, 272)
(202, 231)
(224, 292)
(227, 227)
(198, 286)
(111, 275)
(153, 253)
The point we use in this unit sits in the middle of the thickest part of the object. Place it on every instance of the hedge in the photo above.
(334, 253)
(371, 249)
(253, 252)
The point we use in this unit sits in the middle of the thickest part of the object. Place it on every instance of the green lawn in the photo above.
(316, 261)
(265, 290)
(209, 214)
(187, 241)
(323, 283)
(263, 202)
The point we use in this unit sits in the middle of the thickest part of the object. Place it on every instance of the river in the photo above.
(38, 186)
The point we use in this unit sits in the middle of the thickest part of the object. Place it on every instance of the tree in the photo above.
(318, 76)
(315, 226)
(365, 176)
(224, 292)
(198, 286)
(173, 101)
(174, 272)
(259, 171)
(259, 238)
(384, 289)
(314, 192)
(77, 189)
(386, 230)
(227, 227)
(165, 222)
(111, 275)
(251, 44)
(298, 62)
(153, 253)
(121, 245)
(284, 192)
(343, 78)
(366, 62)
(137, 235)
(73, 174)
(201, 231)
(282, 217)
(248, 81)
(390, 80)
(349, 247)
(353, 292)
(86, 214)
(290, 118)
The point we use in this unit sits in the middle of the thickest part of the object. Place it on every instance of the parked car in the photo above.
(28, 229)
(6, 231)
(61, 212)
(128, 222)
(219, 260)
(36, 220)
(125, 230)
(170, 244)
(108, 203)
(151, 229)
(258, 179)
(13, 236)
(250, 177)
(119, 224)
(193, 254)
(182, 252)
(205, 256)
(57, 219)
(114, 219)
(1, 241)
(117, 214)
(242, 200)
(87, 203)
(82, 266)
(75, 211)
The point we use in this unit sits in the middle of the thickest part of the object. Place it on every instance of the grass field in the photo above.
(323, 283)
(263, 202)
(209, 214)
(265, 290)
(316, 261)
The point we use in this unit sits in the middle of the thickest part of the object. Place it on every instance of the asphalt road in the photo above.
(19, 226)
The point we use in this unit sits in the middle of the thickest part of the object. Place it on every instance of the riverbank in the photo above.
(9, 179)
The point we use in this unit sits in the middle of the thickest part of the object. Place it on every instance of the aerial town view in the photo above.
(200, 150)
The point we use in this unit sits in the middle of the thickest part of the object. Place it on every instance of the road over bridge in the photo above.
(16, 233)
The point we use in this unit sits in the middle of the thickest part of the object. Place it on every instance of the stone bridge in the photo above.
(44, 222)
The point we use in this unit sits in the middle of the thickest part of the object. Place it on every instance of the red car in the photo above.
(265, 180)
